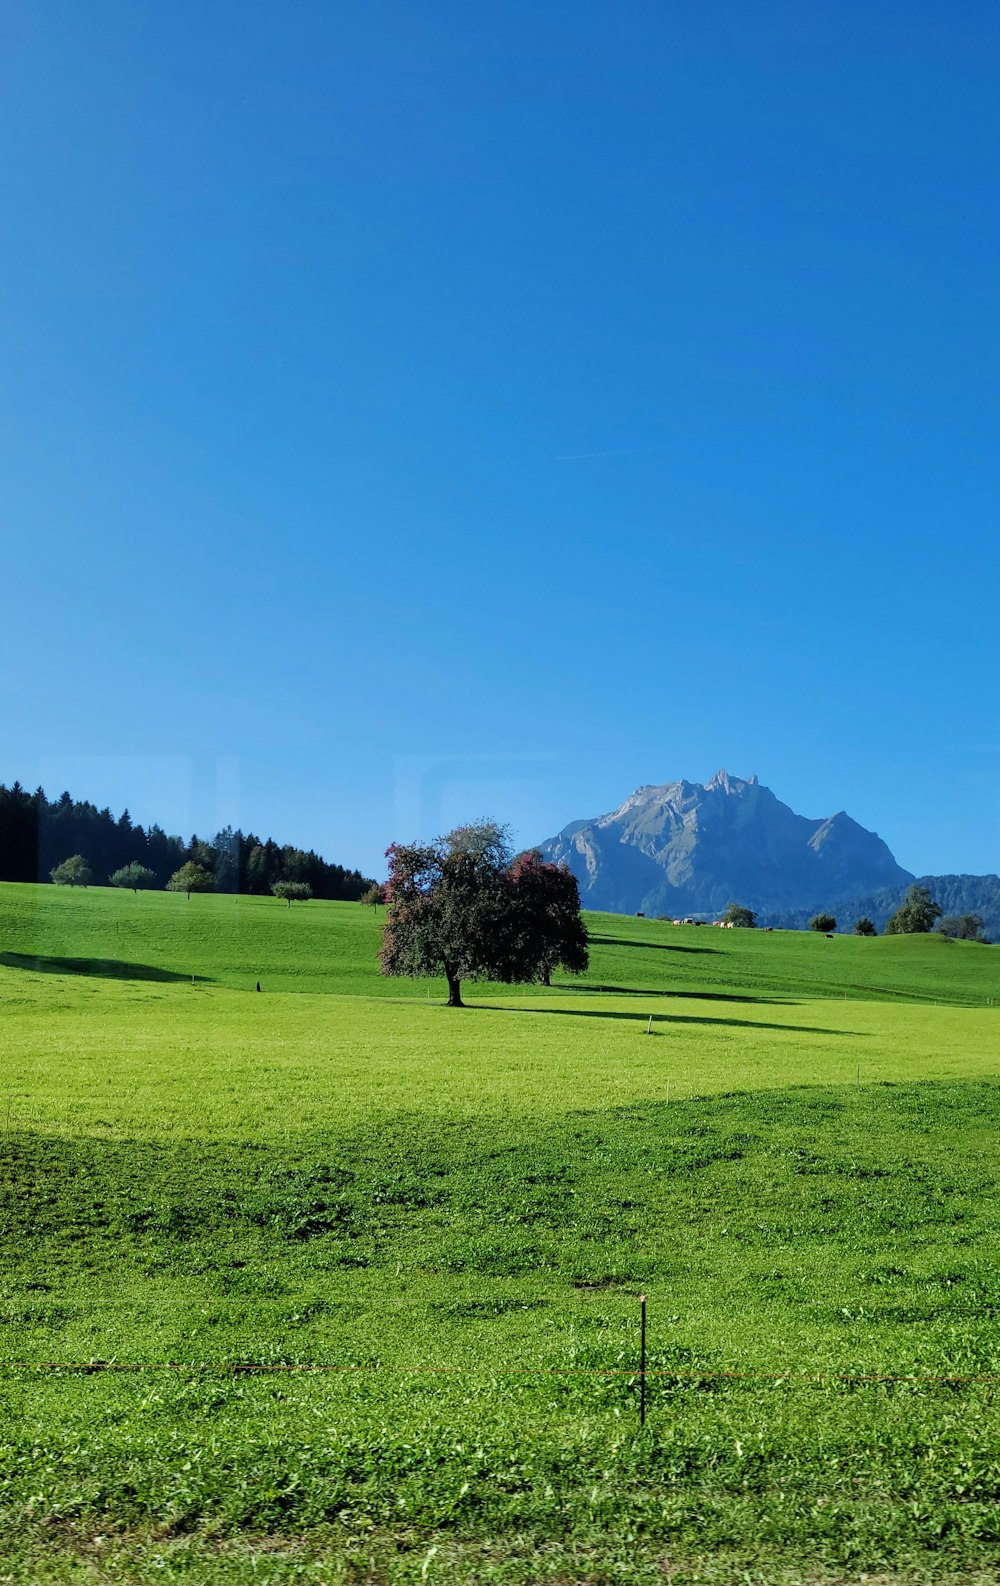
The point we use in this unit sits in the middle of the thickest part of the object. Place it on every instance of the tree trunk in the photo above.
(454, 990)
(546, 981)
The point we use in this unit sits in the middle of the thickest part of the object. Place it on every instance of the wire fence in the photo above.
(251, 1367)
(636, 1376)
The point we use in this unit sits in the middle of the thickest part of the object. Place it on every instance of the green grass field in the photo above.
(787, 1142)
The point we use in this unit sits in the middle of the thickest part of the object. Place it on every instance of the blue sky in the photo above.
(414, 412)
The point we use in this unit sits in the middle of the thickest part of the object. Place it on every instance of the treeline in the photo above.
(955, 895)
(37, 834)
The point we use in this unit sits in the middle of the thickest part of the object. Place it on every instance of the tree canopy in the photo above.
(73, 872)
(548, 927)
(823, 922)
(134, 875)
(737, 914)
(461, 905)
(915, 914)
(190, 878)
(962, 927)
(865, 927)
(292, 891)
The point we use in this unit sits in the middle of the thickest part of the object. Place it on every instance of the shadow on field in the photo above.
(660, 991)
(666, 1018)
(653, 947)
(105, 968)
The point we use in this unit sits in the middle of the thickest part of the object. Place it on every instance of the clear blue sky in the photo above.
(418, 411)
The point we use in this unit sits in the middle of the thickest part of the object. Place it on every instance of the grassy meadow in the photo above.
(787, 1142)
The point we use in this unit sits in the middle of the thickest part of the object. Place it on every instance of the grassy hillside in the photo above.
(332, 948)
(786, 1142)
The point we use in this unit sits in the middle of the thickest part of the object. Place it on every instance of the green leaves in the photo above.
(461, 904)
(292, 891)
(138, 877)
(73, 872)
(190, 878)
(915, 915)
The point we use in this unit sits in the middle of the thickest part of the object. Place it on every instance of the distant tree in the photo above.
(134, 876)
(374, 896)
(548, 926)
(864, 927)
(257, 880)
(191, 878)
(73, 872)
(292, 891)
(916, 913)
(823, 922)
(736, 914)
(294, 864)
(201, 853)
(961, 928)
(226, 845)
(163, 853)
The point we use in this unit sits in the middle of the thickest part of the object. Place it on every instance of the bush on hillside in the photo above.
(292, 891)
(73, 872)
(823, 922)
(864, 927)
(134, 876)
(961, 928)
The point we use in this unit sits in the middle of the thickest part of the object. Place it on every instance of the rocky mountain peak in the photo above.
(723, 780)
(690, 848)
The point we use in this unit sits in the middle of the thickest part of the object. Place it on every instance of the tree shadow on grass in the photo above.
(666, 1018)
(102, 968)
(653, 947)
(662, 991)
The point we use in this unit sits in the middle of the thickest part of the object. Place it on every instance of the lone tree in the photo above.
(736, 914)
(461, 906)
(134, 875)
(864, 927)
(374, 896)
(191, 878)
(823, 922)
(916, 913)
(73, 872)
(292, 891)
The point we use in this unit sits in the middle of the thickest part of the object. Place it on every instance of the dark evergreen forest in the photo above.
(37, 834)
